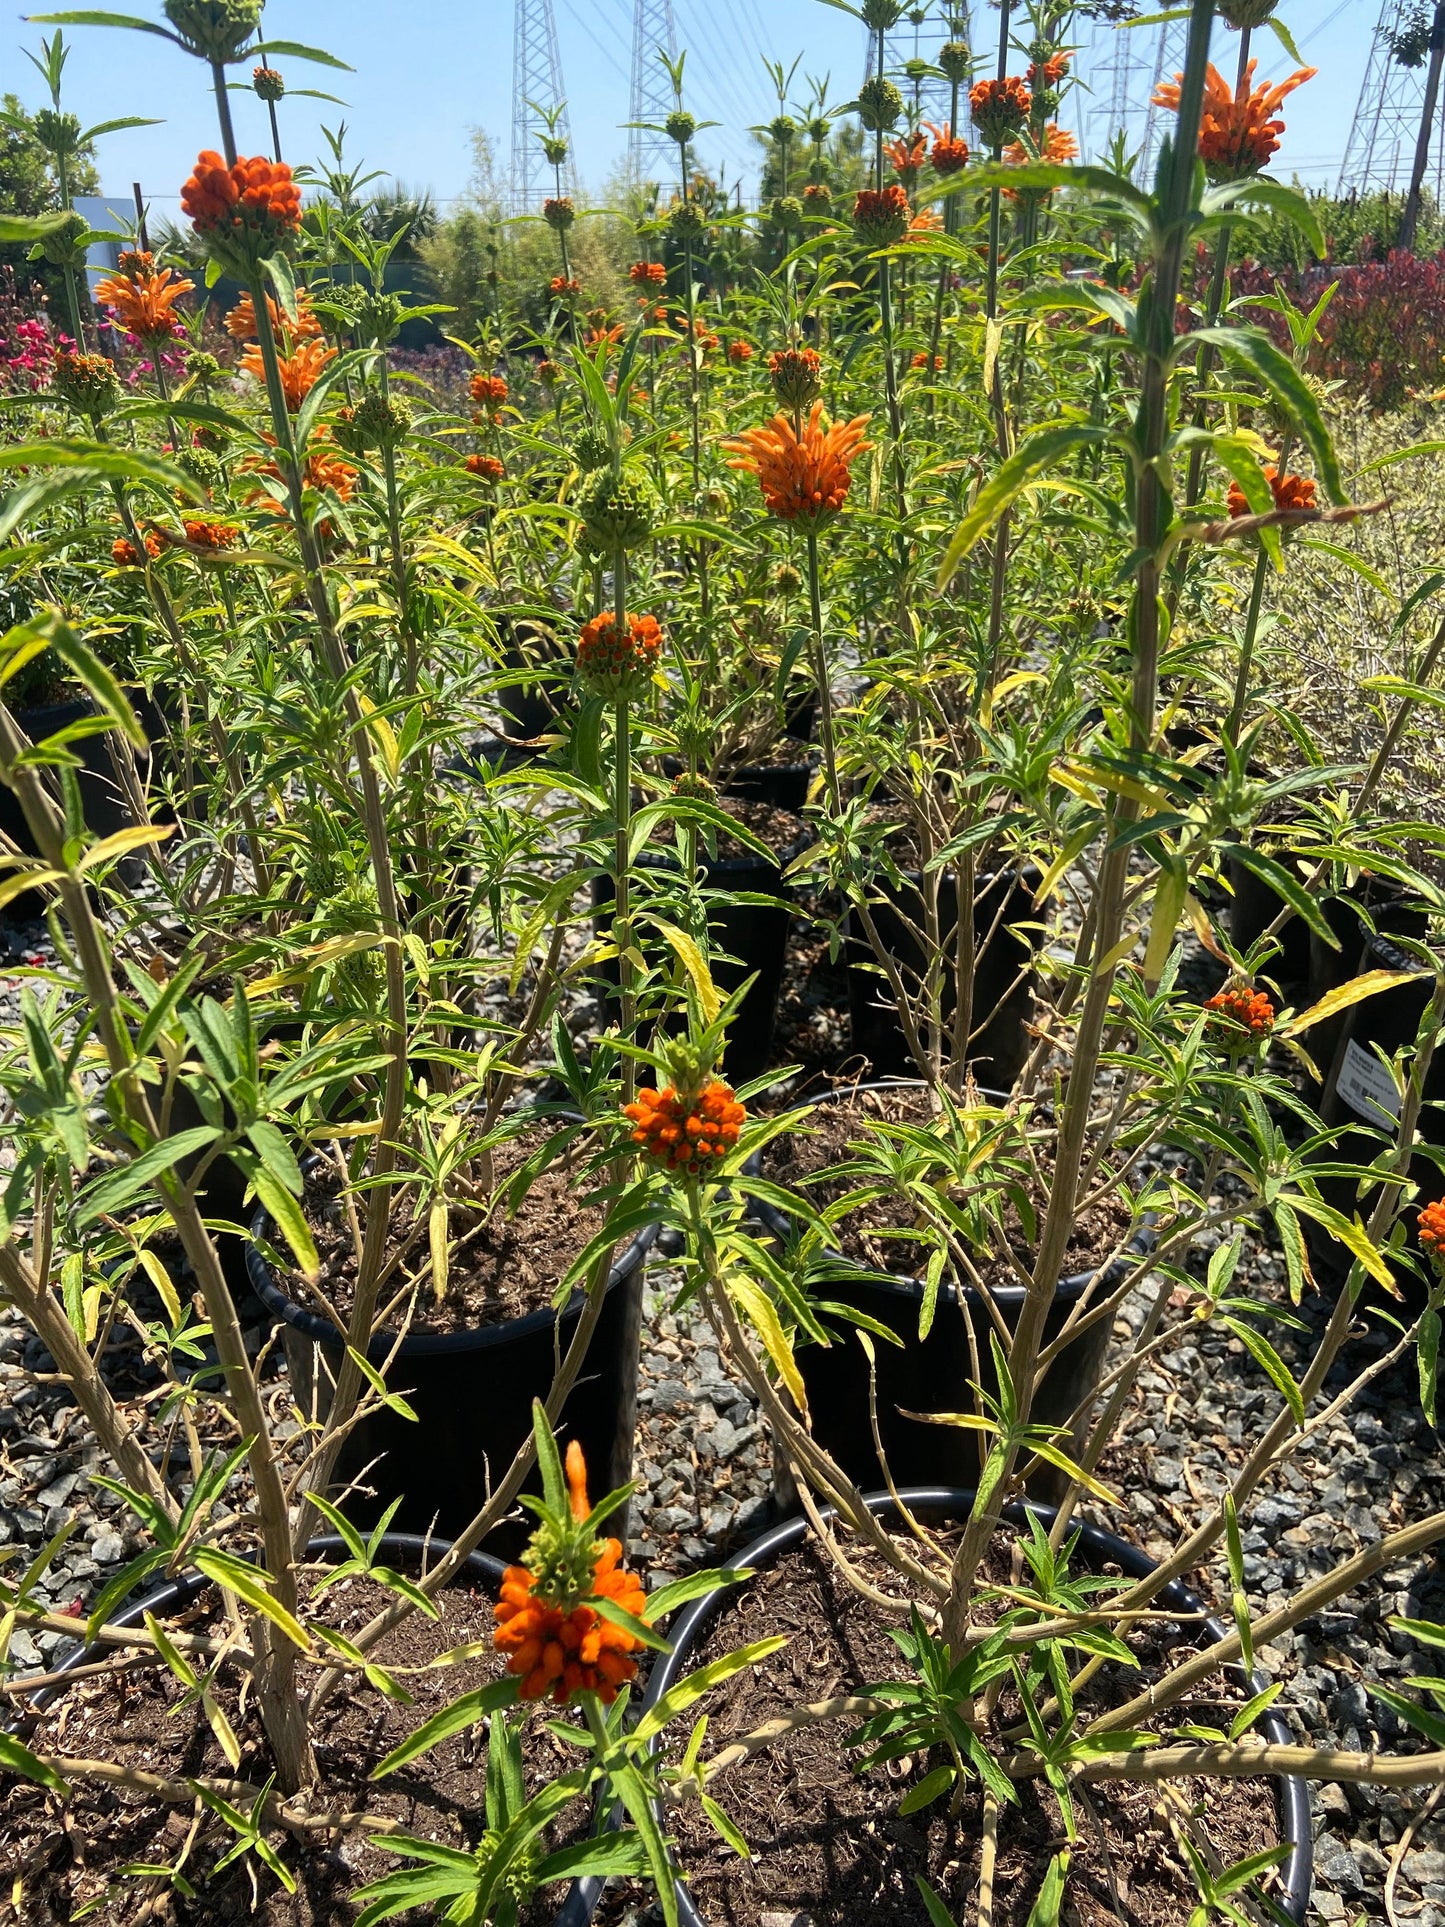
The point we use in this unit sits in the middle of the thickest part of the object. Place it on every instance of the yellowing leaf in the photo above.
(122, 842)
(1344, 995)
(762, 1314)
(695, 965)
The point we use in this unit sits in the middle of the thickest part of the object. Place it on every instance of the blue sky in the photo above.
(429, 70)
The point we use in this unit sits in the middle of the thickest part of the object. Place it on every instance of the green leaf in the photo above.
(1041, 453)
(294, 50)
(1428, 1348)
(1049, 1905)
(16, 1758)
(697, 1684)
(938, 1914)
(932, 1787)
(470, 1710)
(697, 1585)
(289, 1217)
(1265, 1355)
(725, 1827)
(1252, 349)
(16, 229)
(107, 1194)
(249, 1583)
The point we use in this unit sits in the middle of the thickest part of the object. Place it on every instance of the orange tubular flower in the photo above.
(804, 478)
(241, 321)
(1000, 108)
(560, 284)
(1053, 71)
(1430, 1230)
(797, 376)
(1058, 147)
(950, 154)
(927, 220)
(144, 297)
(907, 154)
(881, 215)
(488, 388)
(1289, 491)
(740, 353)
(299, 370)
(1238, 1008)
(324, 470)
(1238, 134)
(647, 274)
(246, 211)
(927, 364)
(555, 1642)
(686, 1135)
(619, 666)
(487, 467)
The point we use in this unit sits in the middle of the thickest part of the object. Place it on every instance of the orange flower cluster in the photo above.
(561, 284)
(928, 364)
(144, 297)
(616, 665)
(602, 334)
(740, 353)
(241, 321)
(804, 478)
(907, 154)
(206, 534)
(797, 376)
(686, 1135)
(124, 555)
(324, 470)
(1248, 1009)
(1289, 491)
(300, 369)
(488, 388)
(950, 154)
(647, 274)
(487, 467)
(563, 1651)
(251, 208)
(999, 108)
(1239, 132)
(549, 373)
(1430, 1230)
(881, 215)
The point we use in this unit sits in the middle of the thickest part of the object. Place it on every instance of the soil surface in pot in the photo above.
(502, 1265)
(778, 829)
(825, 1141)
(829, 1844)
(68, 1858)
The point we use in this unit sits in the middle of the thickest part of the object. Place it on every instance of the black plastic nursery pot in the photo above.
(472, 1393)
(942, 1504)
(1003, 984)
(1360, 1097)
(398, 1549)
(1253, 907)
(931, 1374)
(755, 935)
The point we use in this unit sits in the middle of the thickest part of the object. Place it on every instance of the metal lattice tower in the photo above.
(651, 157)
(922, 39)
(1121, 67)
(536, 82)
(1380, 151)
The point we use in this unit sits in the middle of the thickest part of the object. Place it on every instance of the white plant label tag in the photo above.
(1367, 1087)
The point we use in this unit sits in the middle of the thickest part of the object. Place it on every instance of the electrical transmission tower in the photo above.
(1121, 68)
(651, 157)
(917, 40)
(1390, 118)
(536, 84)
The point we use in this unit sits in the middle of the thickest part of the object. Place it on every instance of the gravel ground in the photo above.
(704, 1467)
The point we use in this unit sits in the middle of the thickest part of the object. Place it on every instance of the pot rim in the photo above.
(900, 1284)
(1293, 1793)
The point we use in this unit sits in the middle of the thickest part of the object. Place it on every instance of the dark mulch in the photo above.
(67, 1855)
(829, 1843)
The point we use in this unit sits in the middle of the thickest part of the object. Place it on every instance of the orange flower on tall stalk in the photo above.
(647, 274)
(1238, 134)
(927, 220)
(1058, 147)
(488, 388)
(906, 156)
(1050, 75)
(203, 533)
(143, 296)
(1289, 491)
(804, 478)
(300, 369)
(1430, 1231)
(740, 353)
(324, 470)
(1238, 1009)
(125, 555)
(686, 1132)
(999, 108)
(487, 468)
(241, 321)
(246, 211)
(555, 1641)
(950, 154)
